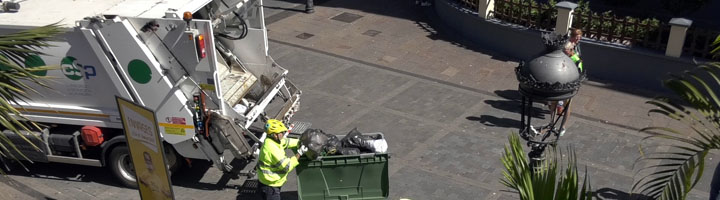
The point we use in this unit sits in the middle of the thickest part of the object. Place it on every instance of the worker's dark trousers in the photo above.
(269, 193)
(715, 184)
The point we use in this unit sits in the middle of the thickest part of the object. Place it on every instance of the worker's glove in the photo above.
(302, 150)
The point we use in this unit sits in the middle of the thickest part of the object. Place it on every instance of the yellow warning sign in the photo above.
(175, 131)
(146, 150)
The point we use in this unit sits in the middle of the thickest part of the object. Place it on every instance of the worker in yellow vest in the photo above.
(273, 164)
(572, 49)
(576, 58)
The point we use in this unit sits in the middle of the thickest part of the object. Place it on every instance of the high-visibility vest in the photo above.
(273, 164)
(576, 58)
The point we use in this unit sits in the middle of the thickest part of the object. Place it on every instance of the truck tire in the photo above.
(122, 167)
(174, 160)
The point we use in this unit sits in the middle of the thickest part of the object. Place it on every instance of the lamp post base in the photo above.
(536, 155)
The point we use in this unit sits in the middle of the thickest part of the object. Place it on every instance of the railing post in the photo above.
(678, 30)
(564, 17)
(485, 7)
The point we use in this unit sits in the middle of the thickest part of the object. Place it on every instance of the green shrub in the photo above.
(541, 15)
(612, 24)
(544, 19)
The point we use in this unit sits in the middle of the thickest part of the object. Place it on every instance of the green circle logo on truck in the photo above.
(35, 61)
(71, 68)
(139, 71)
(30, 62)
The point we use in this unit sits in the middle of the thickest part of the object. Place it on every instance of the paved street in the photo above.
(445, 105)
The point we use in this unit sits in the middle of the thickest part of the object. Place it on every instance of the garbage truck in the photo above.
(201, 65)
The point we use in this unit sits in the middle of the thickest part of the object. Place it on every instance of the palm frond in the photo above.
(517, 169)
(15, 80)
(681, 169)
(545, 181)
(672, 175)
(716, 44)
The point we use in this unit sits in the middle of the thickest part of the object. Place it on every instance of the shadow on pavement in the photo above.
(22, 187)
(509, 94)
(437, 30)
(538, 111)
(424, 17)
(488, 120)
(428, 21)
(191, 177)
(68, 172)
(188, 177)
(610, 193)
(512, 104)
(286, 9)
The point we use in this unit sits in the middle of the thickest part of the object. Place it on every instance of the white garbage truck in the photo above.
(201, 65)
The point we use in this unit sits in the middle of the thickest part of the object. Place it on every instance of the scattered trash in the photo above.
(371, 143)
(320, 143)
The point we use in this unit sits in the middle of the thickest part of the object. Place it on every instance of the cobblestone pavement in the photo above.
(445, 106)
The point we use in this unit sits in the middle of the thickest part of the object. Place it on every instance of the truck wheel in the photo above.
(122, 166)
(174, 160)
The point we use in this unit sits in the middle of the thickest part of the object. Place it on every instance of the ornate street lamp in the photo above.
(553, 79)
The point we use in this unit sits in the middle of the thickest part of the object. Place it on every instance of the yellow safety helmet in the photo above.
(275, 126)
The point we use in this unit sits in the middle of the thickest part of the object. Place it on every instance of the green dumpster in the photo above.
(351, 177)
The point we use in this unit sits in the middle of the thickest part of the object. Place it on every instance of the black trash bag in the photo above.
(332, 145)
(348, 141)
(315, 140)
(349, 151)
(355, 139)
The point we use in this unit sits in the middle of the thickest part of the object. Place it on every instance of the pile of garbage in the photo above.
(320, 143)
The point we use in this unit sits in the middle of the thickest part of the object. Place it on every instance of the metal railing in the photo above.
(625, 31)
(525, 13)
(698, 42)
(606, 27)
(471, 4)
